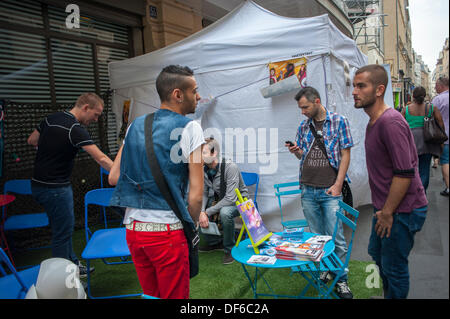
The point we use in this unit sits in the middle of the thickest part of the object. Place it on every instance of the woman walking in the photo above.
(414, 114)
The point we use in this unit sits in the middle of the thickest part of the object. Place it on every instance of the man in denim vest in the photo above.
(154, 233)
(322, 175)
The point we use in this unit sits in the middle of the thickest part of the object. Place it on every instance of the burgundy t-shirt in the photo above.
(390, 151)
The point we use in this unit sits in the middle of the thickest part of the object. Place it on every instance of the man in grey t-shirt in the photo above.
(220, 202)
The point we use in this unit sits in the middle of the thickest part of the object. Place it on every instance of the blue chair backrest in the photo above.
(350, 223)
(100, 197)
(14, 285)
(251, 179)
(102, 172)
(18, 186)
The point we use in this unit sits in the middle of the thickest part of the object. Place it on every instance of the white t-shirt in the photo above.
(191, 139)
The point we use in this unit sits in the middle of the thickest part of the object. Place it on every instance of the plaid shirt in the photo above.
(336, 136)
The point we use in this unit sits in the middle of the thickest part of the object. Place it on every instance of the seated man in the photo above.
(220, 198)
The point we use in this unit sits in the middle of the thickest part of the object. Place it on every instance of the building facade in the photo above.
(398, 49)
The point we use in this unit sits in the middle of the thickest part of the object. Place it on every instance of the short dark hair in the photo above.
(172, 77)
(443, 81)
(310, 93)
(419, 94)
(378, 75)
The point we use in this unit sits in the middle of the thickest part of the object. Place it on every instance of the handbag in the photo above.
(347, 196)
(433, 133)
(191, 233)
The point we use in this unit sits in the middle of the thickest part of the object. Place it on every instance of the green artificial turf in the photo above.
(215, 280)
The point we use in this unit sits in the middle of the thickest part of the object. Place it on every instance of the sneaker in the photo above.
(444, 192)
(83, 270)
(325, 277)
(343, 290)
(207, 249)
(228, 259)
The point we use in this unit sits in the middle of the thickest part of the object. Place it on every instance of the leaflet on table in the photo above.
(319, 239)
(262, 259)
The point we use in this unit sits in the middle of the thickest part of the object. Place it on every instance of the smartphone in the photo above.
(290, 143)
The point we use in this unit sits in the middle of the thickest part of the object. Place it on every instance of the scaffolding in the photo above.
(367, 19)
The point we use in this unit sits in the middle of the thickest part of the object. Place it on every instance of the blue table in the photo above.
(244, 251)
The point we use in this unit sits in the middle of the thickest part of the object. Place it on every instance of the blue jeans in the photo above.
(391, 254)
(424, 169)
(227, 216)
(443, 159)
(320, 210)
(58, 204)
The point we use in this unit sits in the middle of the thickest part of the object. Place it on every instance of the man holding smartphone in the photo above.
(321, 174)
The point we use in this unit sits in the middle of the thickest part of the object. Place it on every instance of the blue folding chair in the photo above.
(102, 172)
(293, 188)
(249, 180)
(332, 263)
(21, 221)
(15, 284)
(104, 243)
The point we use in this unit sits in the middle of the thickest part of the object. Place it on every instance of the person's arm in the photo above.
(397, 192)
(100, 157)
(336, 188)
(33, 139)
(195, 195)
(114, 173)
(203, 218)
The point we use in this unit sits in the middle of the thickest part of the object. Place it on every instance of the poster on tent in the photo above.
(285, 76)
(126, 111)
(280, 71)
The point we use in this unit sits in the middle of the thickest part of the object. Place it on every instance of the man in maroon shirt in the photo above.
(398, 196)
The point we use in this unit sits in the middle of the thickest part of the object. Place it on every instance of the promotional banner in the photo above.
(285, 76)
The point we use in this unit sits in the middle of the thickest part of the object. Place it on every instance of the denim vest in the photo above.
(136, 186)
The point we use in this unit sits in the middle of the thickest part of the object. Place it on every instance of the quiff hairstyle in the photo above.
(90, 98)
(172, 77)
(378, 75)
(310, 94)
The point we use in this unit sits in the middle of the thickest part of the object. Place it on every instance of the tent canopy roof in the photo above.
(249, 35)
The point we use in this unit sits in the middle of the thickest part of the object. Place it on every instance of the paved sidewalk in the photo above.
(429, 259)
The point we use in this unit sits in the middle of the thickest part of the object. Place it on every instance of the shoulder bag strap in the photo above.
(321, 144)
(223, 185)
(430, 113)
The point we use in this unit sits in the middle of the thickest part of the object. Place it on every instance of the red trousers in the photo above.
(161, 260)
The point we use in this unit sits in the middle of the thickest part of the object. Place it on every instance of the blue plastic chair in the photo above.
(15, 284)
(21, 221)
(332, 263)
(102, 172)
(293, 188)
(249, 180)
(104, 243)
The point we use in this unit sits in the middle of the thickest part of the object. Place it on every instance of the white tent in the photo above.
(230, 60)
